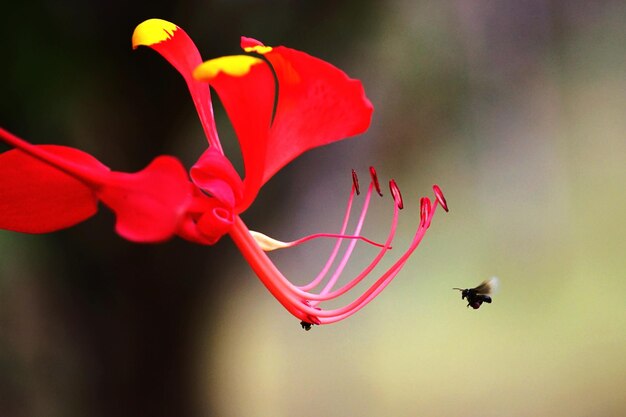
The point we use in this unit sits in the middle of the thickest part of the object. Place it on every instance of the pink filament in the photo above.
(342, 264)
(315, 282)
(327, 295)
(299, 300)
(333, 236)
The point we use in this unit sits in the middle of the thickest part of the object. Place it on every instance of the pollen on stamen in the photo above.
(375, 180)
(395, 192)
(425, 208)
(355, 182)
(440, 197)
(310, 319)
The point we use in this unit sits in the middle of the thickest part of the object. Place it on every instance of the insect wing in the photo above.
(487, 287)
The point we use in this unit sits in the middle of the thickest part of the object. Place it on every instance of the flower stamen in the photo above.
(269, 244)
(327, 295)
(320, 276)
(440, 197)
(355, 182)
(395, 192)
(348, 253)
(375, 180)
(333, 279)
(305, 304)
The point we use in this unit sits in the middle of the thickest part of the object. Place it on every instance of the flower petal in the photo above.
(215, 175)
(149, 204)
(246, 87)
(317, 104)
(179, 50)
(215, 222)
(38, 198)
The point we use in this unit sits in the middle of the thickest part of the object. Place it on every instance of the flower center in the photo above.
(223, 214)
(215, 221)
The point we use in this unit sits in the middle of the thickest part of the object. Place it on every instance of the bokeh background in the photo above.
(517, 109)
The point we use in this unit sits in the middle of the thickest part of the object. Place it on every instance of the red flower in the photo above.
(279, 106)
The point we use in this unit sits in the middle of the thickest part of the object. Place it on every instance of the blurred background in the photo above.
(517, 109)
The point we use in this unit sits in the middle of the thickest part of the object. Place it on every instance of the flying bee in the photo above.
(480, 294)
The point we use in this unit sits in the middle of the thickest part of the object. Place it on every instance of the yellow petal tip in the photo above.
(153, 31)
(259, 49)
(234, 65)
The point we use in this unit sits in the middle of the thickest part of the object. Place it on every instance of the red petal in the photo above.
(215, 175)
(38, 198)
(249, 44)
(178, 49)
(46, 188)
(317, 104)
(215, 222)
(149, 204)
(246, 87)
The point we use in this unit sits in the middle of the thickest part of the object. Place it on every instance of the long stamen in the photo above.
(302, 303)
(344, 260)
(298, 292)
(365, 272)
(355, 182)
(348, 253)
(440, 197)
(269, 244)
(293, 298)
(375, 181)
(265, 269)
(331, 316)
(332, 257)
(395, 192)
(320, 276)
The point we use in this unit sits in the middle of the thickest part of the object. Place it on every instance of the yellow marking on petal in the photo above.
(235, 65)
(153, 31)
(259, 49)
(267, 243)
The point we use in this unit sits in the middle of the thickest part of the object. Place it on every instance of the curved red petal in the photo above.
(317, 104)
(248, 44)
(215, 222)
(246, 88)
(149, 204)
(36, 197)
(178, 49)
(215, 175)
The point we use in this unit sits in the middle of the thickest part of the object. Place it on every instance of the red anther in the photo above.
(395, 192)
(375, 180)
(425, 208)
(309, 318)
(355, 182)
(440, 197)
